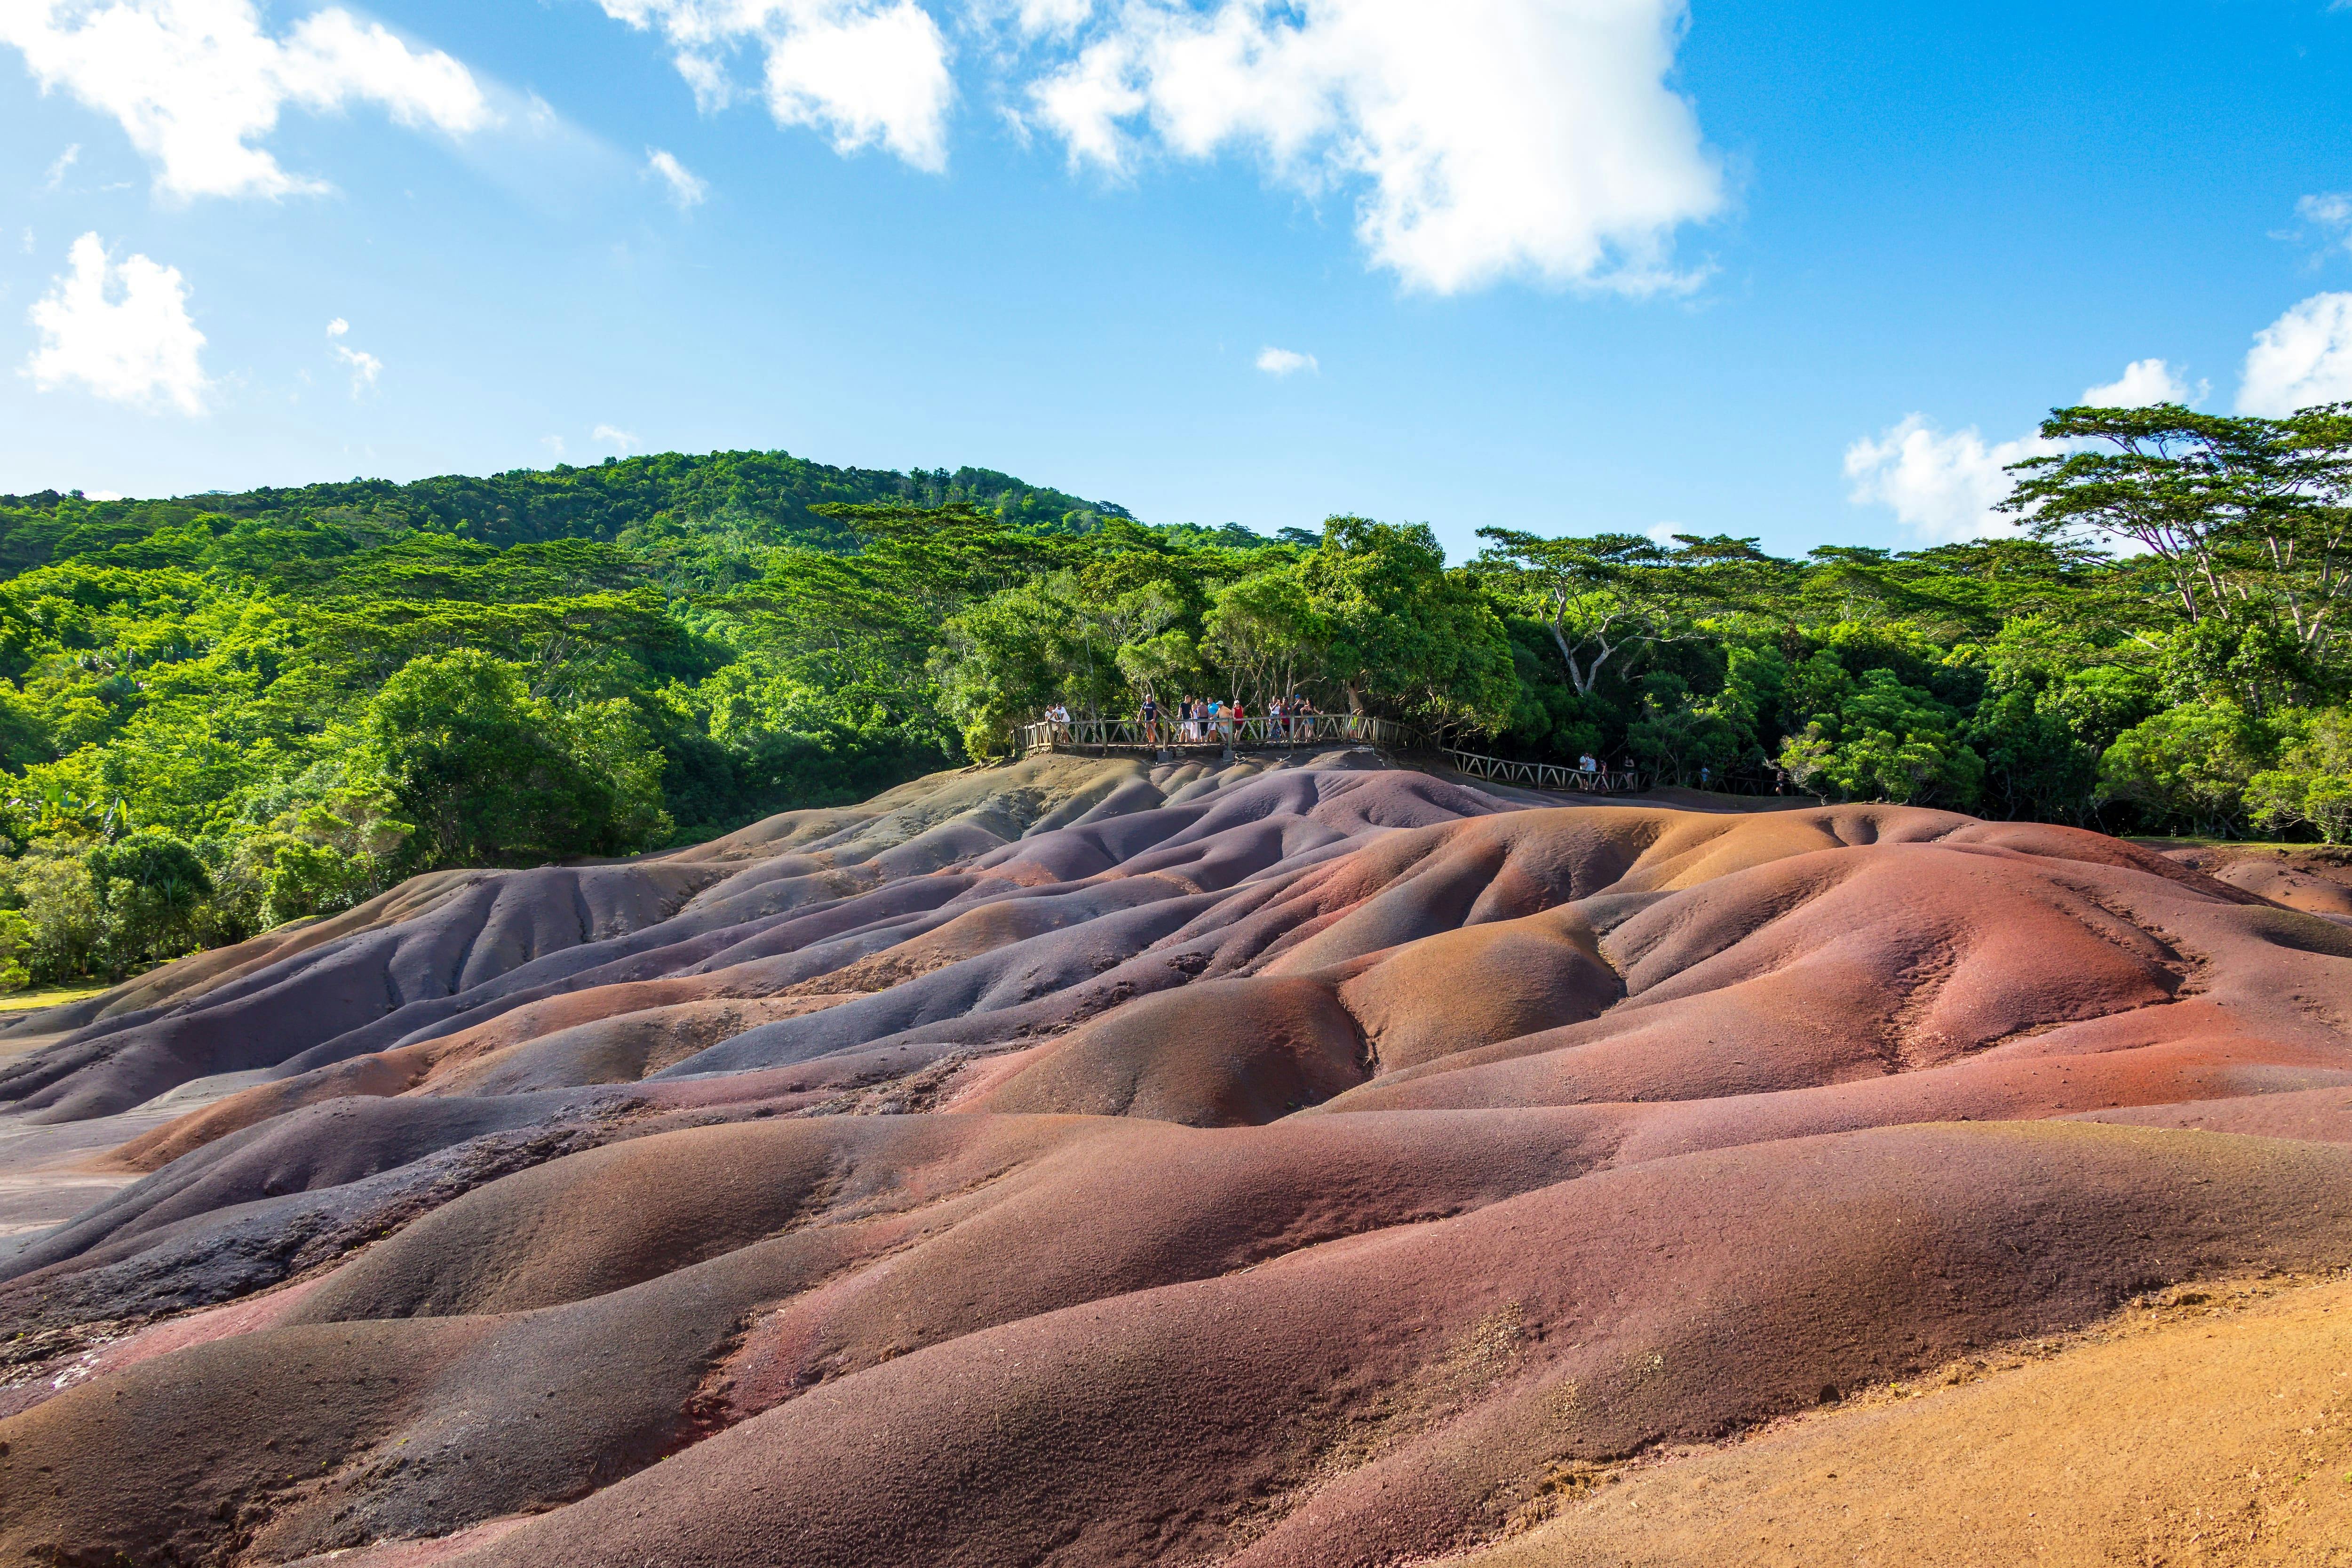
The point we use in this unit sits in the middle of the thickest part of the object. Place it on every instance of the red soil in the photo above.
(1300, 1165)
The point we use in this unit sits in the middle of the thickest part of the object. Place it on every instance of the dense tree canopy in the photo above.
(222, 712)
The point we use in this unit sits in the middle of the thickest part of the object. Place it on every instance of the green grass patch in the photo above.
(47, 996)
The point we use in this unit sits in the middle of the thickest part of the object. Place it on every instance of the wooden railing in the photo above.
(1544, 775)
(1105, 736)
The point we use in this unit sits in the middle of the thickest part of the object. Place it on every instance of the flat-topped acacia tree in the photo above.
(2250, 519)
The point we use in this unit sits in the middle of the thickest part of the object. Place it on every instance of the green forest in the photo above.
(227, 711)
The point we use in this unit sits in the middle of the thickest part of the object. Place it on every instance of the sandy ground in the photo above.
(2315, 877)
(417, 1553)
(50, 1173)
(2212, 1427)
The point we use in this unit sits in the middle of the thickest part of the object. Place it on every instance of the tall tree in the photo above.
(2244, 516)
(1598, 597)
(1406, 632)
(1267, 633)
(490, 774)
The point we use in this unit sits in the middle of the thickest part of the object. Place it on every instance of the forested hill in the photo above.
(742, 498)
(222, 711)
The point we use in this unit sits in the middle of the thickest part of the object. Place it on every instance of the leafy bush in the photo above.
(150, 889)
(2188, 767)
(2311, 784)
(1882, 740)
(490, 774)
(16, 941)
(50, 885)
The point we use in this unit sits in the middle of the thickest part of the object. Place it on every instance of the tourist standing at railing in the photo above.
(1277, 717)
(1057, 721)
(1236, 726)
(1148, 716)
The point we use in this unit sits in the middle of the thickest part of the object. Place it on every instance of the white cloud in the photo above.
(612, 436)
(1053, 18)
(554, 444)
(1942, 486)
(864, 72)
(2330, 211)
(121, 332)
(1086, 102)
(2304, 357)
(196, 84)
(1479, 139)
(1486, 138)
(685, 189)
(364, 366)
(1284, 362)
(57, 175)
(2144, 384)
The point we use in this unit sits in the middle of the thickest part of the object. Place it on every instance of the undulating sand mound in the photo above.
(2318, 879)
(1310, 1162)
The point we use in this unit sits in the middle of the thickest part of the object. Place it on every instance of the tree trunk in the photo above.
(1578, 676)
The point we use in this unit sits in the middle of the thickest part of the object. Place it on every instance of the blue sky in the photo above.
(1804, 271)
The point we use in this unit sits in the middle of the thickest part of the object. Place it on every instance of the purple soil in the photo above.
(1084, 1162)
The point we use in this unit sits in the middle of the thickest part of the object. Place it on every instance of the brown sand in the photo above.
(2209, 1427)
(1308, 1162)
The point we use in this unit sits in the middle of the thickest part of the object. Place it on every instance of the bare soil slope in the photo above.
(2206, 1426)
(1308, 1162)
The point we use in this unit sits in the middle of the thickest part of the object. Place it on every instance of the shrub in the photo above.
(50, 888)
(2311, 784)
(150, 889)
(2188, 766)
(1883, 741)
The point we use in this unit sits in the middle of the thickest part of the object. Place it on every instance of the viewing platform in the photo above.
(1223, 737)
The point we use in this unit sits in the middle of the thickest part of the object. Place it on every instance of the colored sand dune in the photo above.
(1308, 1162)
